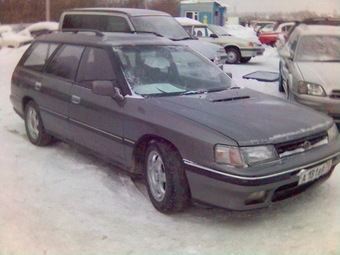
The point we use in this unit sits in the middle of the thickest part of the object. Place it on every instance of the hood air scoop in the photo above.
(230, 99)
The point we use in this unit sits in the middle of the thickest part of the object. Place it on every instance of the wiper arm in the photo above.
(149, 32)
(234, 87)
(194, 92)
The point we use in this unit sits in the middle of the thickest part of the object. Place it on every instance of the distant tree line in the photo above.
(29, 11)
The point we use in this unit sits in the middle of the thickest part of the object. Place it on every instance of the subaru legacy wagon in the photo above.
(159, 109)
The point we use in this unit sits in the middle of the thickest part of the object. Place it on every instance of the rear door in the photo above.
(56, 85)
(96, 121)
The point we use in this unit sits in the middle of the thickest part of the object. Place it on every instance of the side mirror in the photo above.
(107, 88)
(213, 36)
(285, 54)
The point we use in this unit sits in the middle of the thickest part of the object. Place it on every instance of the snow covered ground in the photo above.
(58, 200)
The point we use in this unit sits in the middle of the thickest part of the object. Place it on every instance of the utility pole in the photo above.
(48, 11)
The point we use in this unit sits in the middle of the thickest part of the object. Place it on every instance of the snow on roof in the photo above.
(203, 1)
(187, 21)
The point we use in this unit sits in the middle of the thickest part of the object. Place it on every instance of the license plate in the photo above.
(308, 175)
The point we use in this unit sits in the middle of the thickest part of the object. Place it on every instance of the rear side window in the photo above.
(102, 23)
(65, 63)
(38, 55)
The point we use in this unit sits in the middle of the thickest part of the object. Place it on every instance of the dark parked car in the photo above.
(157, 108)
(130, 20)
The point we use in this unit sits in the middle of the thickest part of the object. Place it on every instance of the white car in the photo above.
(15, 40)
(237, 49)
(3, 30)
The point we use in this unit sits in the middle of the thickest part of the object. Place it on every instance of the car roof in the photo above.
(319, 29)
(94, 37)
(132, 12)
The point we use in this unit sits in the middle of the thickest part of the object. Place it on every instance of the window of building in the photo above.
(192, 15)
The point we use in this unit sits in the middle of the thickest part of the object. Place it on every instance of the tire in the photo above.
(288, 93)
(245, 60)
(165, 178)
(281, 88)
(34, 126)
(233, 56)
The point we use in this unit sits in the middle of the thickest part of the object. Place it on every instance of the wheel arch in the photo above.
(138, 157)
(25, 101)
(232, 46)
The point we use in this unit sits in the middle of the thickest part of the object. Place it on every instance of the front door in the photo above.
(96, 121)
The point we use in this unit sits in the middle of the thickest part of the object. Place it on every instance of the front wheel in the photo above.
(245, 60)
(281, 88)
(233, 56)
(34, 126)
(165, 178)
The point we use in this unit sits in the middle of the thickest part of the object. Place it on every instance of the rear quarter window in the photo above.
(37, 56)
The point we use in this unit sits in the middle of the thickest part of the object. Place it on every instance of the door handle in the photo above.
(75, 99)
(37, 86)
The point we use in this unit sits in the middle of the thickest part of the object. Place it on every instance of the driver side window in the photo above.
(95, 65)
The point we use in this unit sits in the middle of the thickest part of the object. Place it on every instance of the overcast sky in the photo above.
(318, 6)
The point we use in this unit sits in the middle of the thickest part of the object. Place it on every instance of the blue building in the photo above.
(205, 11)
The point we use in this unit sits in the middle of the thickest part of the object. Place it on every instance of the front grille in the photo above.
(301, 145)
(335, 94)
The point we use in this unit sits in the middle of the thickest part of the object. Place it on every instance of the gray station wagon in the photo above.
(158, 109)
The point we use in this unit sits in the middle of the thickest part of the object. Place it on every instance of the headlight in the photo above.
(311, 89)
(332, 133)
(244, 156)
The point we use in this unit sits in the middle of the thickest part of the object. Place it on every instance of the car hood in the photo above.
(325, 74)
(209, 50)
(248, 117)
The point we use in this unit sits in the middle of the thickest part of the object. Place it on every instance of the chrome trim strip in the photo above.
(190, 163)
(96, 129)
(129, 141)
(53, 112)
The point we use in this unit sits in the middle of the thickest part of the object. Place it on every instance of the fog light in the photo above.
(256, 197)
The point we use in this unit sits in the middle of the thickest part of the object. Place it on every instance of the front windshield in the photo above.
(221, 31)
(318, 48)
(170, 70)
(166, 26)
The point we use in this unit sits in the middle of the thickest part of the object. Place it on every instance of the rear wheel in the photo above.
(165, 178)
(34, 126)
(245, 60)
(233, 56)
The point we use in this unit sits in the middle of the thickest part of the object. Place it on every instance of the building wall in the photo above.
(208, 12)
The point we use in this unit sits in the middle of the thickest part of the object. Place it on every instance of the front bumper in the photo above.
(252, 52)
(323, 104)
(241, 193)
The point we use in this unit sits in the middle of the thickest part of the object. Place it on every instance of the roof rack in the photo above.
(77, 30)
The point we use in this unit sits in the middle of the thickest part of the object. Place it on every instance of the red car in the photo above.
(272, 36)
